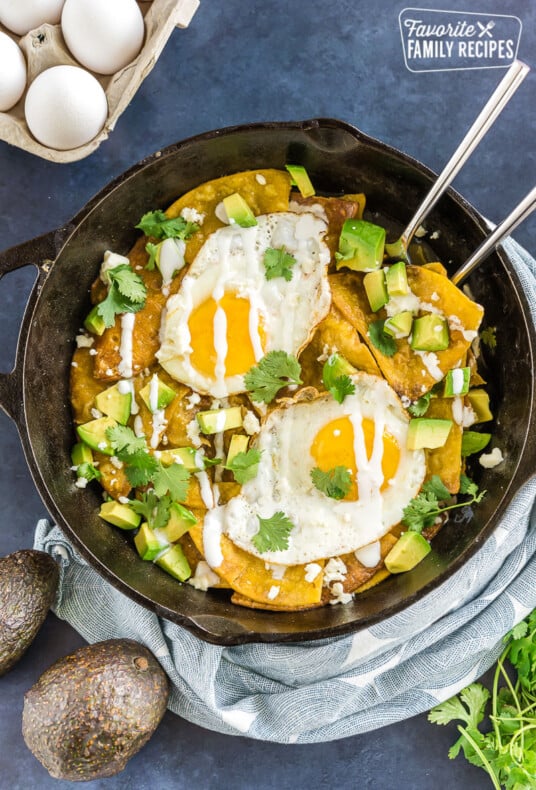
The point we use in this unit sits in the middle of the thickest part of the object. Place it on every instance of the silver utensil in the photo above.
(496, 103)
(519, 213)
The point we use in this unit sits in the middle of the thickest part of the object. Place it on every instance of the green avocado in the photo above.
(175, 563)
(396, 279)
(94, 322)
(426, 432)
(479, 400)
(119, 515)
(399, 325)
(81, 454)
(186, 456)
(164, 395)
(93, 433)
(300, 177)
(430, 333)
(407, 552)
(457, 382)
(92, 710)
(28, 582)
(218, 420)
(238, 211)
(180, 521)
(114, 403)
(147, 543)
(361, 246)
(376, 289)
(239, 444)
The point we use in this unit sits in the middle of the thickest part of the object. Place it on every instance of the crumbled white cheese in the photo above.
(431, 363)
(81, 482)
(116, 462)
(84, 341)
(74, 364)
(251, 423)
(109, 372)
(193, 433)
(456, 326)
(312, 569)
(273, 592)
(435, 235)
(339, 596)
(102, 446)
(491, 460)
(110, 261)
(405, 401)
(93, 352)
(434, 297)
(204, 577)
(192, 400)
(124, 500)
(420, 232)
(192, 215)
(277, 571)
(335, 571)
(96, 414)
(260, 179)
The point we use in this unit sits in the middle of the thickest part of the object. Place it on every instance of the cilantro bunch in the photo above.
(126, 294)
(508, 750)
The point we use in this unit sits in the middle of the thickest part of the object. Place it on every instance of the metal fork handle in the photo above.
(496, 103)
(520, 212)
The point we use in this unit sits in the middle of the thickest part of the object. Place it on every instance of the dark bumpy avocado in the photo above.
(92, 710)
(28, 582)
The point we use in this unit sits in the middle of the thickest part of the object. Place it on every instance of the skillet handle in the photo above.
(40, 252)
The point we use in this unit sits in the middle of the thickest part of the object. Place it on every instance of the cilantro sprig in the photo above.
(422, 510)
(420, 406)
(126, 294)
(334, 483)
(154, 510)
(273, 533)
(273, 372)
(507, 751)
(380, 339)
(278, 263)
(338, 384)
(157, 225)
(488, 336)
(245, 465)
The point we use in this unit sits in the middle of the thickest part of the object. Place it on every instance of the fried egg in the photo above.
(227, 315)
(366, 434)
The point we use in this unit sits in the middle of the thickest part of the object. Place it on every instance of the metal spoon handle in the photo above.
(521, 212)
(496, 103)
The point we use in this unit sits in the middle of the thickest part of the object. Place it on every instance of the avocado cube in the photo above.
(426, 432)
(473, 442)
(300, 178)
(239, 444)
(157, 396)
(185, 456)
(81, 454)
(479, 401)
(93, 433)
(115, 404)
(94, 322)
(175, 563)
(399, 325)
(180, 521)
(119, 515)
(397, 279)
(430, 333)
(218, 420)
(407, 552)
(376, 290)
(457, 382)
(361, 246)
(238, 211)
(147, 543)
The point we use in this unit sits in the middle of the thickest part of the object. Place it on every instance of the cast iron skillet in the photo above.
(339, 158)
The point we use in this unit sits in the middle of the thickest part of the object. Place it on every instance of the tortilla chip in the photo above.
(445, 461)
(378, 577)
(194, 557)
(114, 481)
(84, 387)
(358, 574)
(405, 370)
(249, 576)
(262, 198)
(435, 266)
(241, 600)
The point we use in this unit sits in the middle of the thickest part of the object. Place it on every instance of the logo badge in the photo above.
(447, 40)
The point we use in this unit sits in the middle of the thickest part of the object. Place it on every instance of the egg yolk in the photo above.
(237, 346)
(333, 446)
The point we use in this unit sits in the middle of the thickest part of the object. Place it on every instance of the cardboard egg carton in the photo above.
(45, 47)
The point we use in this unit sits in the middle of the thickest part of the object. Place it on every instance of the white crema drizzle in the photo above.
(125, 347)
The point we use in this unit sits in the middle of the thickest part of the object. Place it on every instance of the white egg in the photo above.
(12, 73)
(65, 107)
(21, 16)
(366, 434)
(227, 315)
(103, 35)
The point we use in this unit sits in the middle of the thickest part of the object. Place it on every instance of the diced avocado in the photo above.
(114, 403)
(239, 444)
(407, 552)
(376, 290)
(399, 325)
(473, 442)
(164, 395)
(147, 543)
(396, 279)
(238, 211)
(300, 177)
(186, 456)
(217, 420)
(175, 563)
(361, 246)
(479, 400)
(119, 515)
(93, 433)
(180, 521)
(81, 454)
(94, 322)
(430, 333)
(427, 432)
(457, 382)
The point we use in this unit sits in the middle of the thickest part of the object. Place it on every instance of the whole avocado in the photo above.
(28, 582)
(92, 710)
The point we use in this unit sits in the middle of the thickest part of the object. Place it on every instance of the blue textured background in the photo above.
(241, 62)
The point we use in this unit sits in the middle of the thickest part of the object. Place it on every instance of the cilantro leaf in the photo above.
(468, 707)
(334, 483)
(420, 406)
(422, 510)
(126, 294)
(338, 384)
(154, 510)
(244, 466)
(88, 472)
(159, 226)
(273, 533)
(437, 488)
(488, 336)
(124, 440)
(278, 263)
(140, 467)
(151, 250)
(467, 486)
(273, 372)
(173, 479)
(380, 340)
